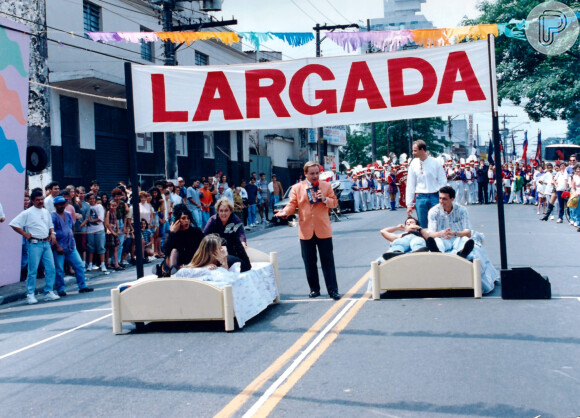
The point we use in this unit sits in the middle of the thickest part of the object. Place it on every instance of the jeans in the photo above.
(453, 245)
(252, 214)
(74, 259)
(197, 217)
(273, 200)
(407, 243)
(562, 205)
(96, 243)
(204, 218)
(423, 203)
(36, 252)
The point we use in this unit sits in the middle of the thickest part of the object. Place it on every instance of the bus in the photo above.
(560, 152)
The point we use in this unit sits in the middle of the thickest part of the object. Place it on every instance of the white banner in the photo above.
(314, 92)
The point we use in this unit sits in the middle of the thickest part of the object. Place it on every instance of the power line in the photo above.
(302, 10)
(322, 14)
(38, 33)
(337, 11)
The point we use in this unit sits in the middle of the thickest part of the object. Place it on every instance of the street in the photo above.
(399, 357)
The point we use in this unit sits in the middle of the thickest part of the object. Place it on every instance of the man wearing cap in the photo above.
(65, 248)
(313, 200)
(35, 225)
(182, 188)
(276, 191)
(424, 179)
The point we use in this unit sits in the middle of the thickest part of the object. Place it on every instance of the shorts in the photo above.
(96, 243)
(111, 241)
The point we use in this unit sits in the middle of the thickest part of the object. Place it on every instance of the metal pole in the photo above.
(498, 176)
(320, 131)
(133, 168)
(169, 48)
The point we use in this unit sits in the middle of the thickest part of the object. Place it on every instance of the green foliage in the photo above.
(549, 84)
(358, 148)
(574, 130)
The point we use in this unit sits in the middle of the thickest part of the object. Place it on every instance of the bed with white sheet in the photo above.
(205, 295)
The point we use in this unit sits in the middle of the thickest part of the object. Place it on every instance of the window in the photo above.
(208, 145)
(201, 59)
(181, 144)
(92, 17)
(70, 136)
(147, 51)
(145, 142)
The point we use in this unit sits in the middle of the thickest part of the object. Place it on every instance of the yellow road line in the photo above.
(303, 368)
(235, 404)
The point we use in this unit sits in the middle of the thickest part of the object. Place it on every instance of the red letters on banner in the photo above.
(458, 62)
(160, 114)
(398, 96)
(327, 97)
(254, 92)
(361, 74)
(217, 94)
(217, 82)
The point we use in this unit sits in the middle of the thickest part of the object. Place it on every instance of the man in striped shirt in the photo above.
(449, 226)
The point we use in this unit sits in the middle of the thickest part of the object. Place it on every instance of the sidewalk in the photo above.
(17, 291)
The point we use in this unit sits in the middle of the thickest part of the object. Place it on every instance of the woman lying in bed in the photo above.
(212, 254)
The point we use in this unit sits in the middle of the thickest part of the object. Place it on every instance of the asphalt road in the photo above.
(356, 357)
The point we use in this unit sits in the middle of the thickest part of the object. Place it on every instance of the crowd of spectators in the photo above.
(82, 232)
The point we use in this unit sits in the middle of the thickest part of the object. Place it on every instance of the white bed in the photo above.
(426, 271)
(152, 299)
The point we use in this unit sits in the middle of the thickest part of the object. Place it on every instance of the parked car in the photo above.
(345, 195)
(342, 189)
(292, 219)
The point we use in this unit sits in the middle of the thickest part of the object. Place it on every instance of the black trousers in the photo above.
(482, 192)
(325, 250)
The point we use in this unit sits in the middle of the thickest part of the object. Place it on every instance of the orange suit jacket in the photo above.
(313, 218)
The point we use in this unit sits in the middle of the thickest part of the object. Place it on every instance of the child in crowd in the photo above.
(113, 230)
(528, 198)
(146, 239)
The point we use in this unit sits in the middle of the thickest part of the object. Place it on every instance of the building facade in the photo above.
(401, 14)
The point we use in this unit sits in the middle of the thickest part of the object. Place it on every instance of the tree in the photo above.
(547, 84)
(358, 148)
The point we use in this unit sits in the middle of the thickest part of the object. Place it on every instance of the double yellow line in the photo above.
(231, 408)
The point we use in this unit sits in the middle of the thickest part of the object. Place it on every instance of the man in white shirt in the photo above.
(54, 190)
(35, 225)
(424, 179)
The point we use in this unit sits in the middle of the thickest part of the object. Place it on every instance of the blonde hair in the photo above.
(224, 201)
(206, 252)
(310, 164)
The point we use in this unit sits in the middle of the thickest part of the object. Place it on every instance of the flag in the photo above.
(539, 150)
(490, 153)
(513, 147)
(525, 151)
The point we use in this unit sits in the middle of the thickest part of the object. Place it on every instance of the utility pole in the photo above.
(170, 59)
(169, 49)
(321, 143)
(373, 127)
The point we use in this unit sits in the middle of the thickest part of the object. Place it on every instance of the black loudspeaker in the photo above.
(36, 159)
(524, 283)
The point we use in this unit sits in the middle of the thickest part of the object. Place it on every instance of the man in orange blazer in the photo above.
(313, 200)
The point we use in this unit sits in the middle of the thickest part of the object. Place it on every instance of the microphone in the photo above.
(312, 192)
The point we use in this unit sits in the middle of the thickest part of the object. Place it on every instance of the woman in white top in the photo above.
(547, 181)
(145, 209)
(561, 184)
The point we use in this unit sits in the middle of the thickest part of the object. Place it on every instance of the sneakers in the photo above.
(61, 293)
(89, 267)
(552, 217)
(104, 269)
(559, 221)
(30, 299)
(51, 296)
